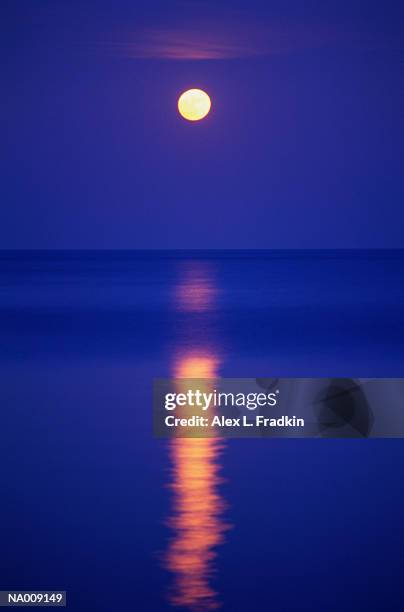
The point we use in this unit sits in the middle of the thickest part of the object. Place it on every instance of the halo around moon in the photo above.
(194, 104)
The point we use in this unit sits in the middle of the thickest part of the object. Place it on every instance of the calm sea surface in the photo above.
(92, 504)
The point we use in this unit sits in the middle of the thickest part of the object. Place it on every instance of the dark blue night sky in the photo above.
(303, 147)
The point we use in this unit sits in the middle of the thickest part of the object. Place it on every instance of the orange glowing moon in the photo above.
(194, 104)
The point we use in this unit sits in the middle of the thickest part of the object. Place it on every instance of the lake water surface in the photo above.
(91, 503)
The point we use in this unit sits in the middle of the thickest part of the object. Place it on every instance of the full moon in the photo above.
(194, 104)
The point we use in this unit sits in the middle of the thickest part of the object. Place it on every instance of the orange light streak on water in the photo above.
(197, 512)
(196, 521)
